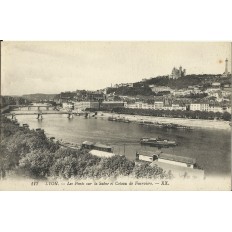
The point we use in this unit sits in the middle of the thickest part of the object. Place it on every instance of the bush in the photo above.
(34, 155)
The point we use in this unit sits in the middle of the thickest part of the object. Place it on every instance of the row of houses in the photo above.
(215, 90)
(209, 108)
(157, 105)
(83, 105)
(130, 85)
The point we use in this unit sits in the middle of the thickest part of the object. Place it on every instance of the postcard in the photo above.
(124, 116)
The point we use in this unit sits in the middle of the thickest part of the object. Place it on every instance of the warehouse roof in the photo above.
(101, 153)
(88, 143)
(176, 158)
(99, 145)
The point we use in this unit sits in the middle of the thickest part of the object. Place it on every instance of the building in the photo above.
(177, 73)
(102, 147)
(139, 105)
(146, 156)
(83, 105)
(199, 106)
(87, 145)
(110, 97)
(215, 108)
(176, 160)
(167, 108)
(158, 105)
(131, 106)
(158, 89)
(181, 92)
(179, 171)
(98, 149)
(227, 87)
(130, 85)
(102, 154)
(68, 105)
(166, 158)
(207, 107)
(178, 107)
(112, 104)
(95, 96)
(216, 84)
(226, 73)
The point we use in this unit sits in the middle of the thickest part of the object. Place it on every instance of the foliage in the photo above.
(131, 91)
(32, 154)
(226, 116)
(144, 170)
(175, 113)
(36, 164)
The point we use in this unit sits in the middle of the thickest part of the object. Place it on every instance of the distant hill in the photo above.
(39, 97)
(142, 87)
(204, 80)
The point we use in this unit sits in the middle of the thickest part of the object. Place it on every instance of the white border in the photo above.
(115, 20)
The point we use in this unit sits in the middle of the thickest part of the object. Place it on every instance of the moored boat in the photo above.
(111, 118)
(157, 142)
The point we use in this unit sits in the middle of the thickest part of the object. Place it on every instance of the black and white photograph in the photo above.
(115, 115)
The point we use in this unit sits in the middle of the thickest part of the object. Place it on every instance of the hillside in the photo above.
(142, 87)
(188, 80)
(39, 97)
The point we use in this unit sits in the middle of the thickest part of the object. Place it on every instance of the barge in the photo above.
(157, 142)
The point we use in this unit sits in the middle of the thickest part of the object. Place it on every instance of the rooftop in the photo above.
(176, 158)
(147, 153)
(88, 143)
(102, 146)
(101, 153)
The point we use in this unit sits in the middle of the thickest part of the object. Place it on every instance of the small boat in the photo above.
(111, 119)
(119, 119)
(96, 146)
(157, 142)
(126, 121)
(25, 125)
(146, 123)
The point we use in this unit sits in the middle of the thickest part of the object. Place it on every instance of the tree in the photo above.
(37, 164)
(226, 116)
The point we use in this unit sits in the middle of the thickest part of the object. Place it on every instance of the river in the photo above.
(210, 147)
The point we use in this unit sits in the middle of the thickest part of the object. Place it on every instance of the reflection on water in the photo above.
(211, 148)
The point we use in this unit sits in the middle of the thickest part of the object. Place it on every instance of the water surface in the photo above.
(210, 147)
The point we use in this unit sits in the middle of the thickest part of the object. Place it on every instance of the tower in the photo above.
(180, 71)
(226, 67)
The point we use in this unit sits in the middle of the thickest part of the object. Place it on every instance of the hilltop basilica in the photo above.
(176, 73)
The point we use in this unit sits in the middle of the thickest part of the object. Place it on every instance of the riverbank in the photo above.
(194, 123)
(31, 153)
(210, 147)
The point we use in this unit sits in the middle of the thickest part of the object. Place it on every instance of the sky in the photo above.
(54, 67)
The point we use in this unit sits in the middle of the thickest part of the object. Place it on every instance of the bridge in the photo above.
(39, 114)
(29, 107)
